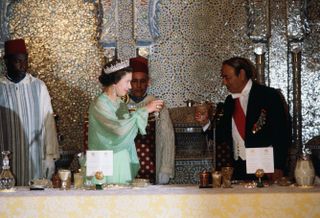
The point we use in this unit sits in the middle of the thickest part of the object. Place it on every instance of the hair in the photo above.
(239, 63)
(114, 77)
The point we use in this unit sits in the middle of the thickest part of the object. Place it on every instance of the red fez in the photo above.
(139, 64)
(16, 46)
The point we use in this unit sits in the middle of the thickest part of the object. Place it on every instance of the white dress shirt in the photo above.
(238, 143)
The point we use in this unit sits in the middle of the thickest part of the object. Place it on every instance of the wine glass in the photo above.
(156, 114)
(64, 175)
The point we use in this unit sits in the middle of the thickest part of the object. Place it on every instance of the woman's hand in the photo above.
(201, 118)
(154, 106)
(202, 114)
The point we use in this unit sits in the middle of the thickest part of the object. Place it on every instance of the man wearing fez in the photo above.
(253, 116)
(27, 127)
(156, 149)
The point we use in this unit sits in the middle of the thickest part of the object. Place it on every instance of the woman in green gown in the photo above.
(112, 127)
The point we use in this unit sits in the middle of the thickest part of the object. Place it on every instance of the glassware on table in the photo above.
(7, 180)
(88, 184)
(64, 176)
(139, 182)
(259, 174)
(304, 172)
(56, 181)
(204, 179)
(227, 173)
(216, 179)
(78, 180)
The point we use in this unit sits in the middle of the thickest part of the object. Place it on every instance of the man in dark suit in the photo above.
(254, 116)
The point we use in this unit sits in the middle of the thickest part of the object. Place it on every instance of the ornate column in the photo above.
(296, 81)
(259, 32)
(260, 64)
(278, 47)
(296, 34)
(296, 30)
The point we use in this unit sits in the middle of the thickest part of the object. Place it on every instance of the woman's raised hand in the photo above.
(155, 106)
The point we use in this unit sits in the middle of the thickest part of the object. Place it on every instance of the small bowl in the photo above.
(43, 183)
(140, 182)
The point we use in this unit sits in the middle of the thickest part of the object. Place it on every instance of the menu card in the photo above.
(259, 158)
(99, 161)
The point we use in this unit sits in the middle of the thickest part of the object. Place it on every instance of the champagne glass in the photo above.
(156, 114)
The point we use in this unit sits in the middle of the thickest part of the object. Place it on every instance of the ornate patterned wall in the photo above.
(311, 73)
(195, 36)
(61, 37)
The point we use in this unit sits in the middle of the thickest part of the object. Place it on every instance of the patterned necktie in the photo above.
(239, 118)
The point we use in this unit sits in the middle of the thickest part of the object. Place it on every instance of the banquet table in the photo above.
(163, 201)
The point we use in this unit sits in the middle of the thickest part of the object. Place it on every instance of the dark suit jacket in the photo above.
(264, 104)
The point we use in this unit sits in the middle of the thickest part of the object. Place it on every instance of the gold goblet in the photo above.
(216, 179)
(227, 173)
(259, 175)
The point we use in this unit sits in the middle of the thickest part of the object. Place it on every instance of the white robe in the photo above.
(165, 143)
(27, 127)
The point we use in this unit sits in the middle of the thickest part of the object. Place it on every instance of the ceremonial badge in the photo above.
(261, 121)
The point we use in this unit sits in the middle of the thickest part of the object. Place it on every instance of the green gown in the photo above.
(111, 127)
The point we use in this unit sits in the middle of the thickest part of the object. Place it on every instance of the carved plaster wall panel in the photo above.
(126, 43)
(126, 25)
(195, 37)
(109, 28)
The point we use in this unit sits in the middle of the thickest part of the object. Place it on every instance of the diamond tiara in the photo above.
(116, 67)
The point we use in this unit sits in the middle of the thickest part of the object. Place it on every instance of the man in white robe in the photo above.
(164, 132)
(27, 127)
